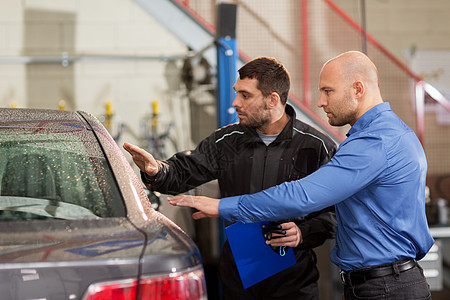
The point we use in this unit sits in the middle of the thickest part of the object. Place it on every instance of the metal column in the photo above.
(226, 63)
(226, 73)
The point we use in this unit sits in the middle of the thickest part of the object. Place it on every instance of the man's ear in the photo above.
(359, 88)
(274, 99)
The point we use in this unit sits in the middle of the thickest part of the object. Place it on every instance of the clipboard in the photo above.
(255, 259)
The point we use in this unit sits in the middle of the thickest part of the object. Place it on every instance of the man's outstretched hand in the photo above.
(144, 160)
(208, 207)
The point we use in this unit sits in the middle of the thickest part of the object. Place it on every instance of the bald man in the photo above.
(267, 147)
(376, 181)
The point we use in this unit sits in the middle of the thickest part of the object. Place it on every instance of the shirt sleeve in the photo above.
(357, 163)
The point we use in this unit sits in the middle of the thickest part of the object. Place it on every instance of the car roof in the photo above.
(42, 118)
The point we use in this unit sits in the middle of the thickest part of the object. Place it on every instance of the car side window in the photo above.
(55, 175)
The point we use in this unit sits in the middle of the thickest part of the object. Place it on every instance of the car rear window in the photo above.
(54, 170)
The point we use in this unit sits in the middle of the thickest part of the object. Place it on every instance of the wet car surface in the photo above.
(75, 222)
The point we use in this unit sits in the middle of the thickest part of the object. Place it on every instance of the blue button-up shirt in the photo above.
(376, 180)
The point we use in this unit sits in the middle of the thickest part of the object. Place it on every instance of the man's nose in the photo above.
(235, 102)
(322, 100)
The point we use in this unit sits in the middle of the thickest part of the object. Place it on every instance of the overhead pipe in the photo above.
(65, 59)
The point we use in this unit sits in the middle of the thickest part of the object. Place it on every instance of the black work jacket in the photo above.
(243, 164)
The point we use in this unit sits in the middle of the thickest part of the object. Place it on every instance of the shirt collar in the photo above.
(368, 117)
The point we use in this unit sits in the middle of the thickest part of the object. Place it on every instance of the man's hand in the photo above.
(208, 207)
(292, 238)
(144, 160)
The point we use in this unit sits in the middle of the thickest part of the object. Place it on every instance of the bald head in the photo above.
(349, 87)
(353, 66)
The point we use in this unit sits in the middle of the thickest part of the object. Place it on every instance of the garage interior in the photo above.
(149, 70)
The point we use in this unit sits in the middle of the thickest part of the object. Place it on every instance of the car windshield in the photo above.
(54, 170)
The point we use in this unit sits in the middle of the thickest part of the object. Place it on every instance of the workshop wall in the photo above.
(96, 29)
(123, 56)
(404, 25)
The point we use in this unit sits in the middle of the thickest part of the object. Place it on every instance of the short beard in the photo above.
(257, 123)
(259, 120)
(342, 121)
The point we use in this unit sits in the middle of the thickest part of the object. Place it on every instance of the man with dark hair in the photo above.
(376, 181)
(267, 147)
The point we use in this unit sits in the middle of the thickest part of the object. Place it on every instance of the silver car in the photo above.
(75, 222)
